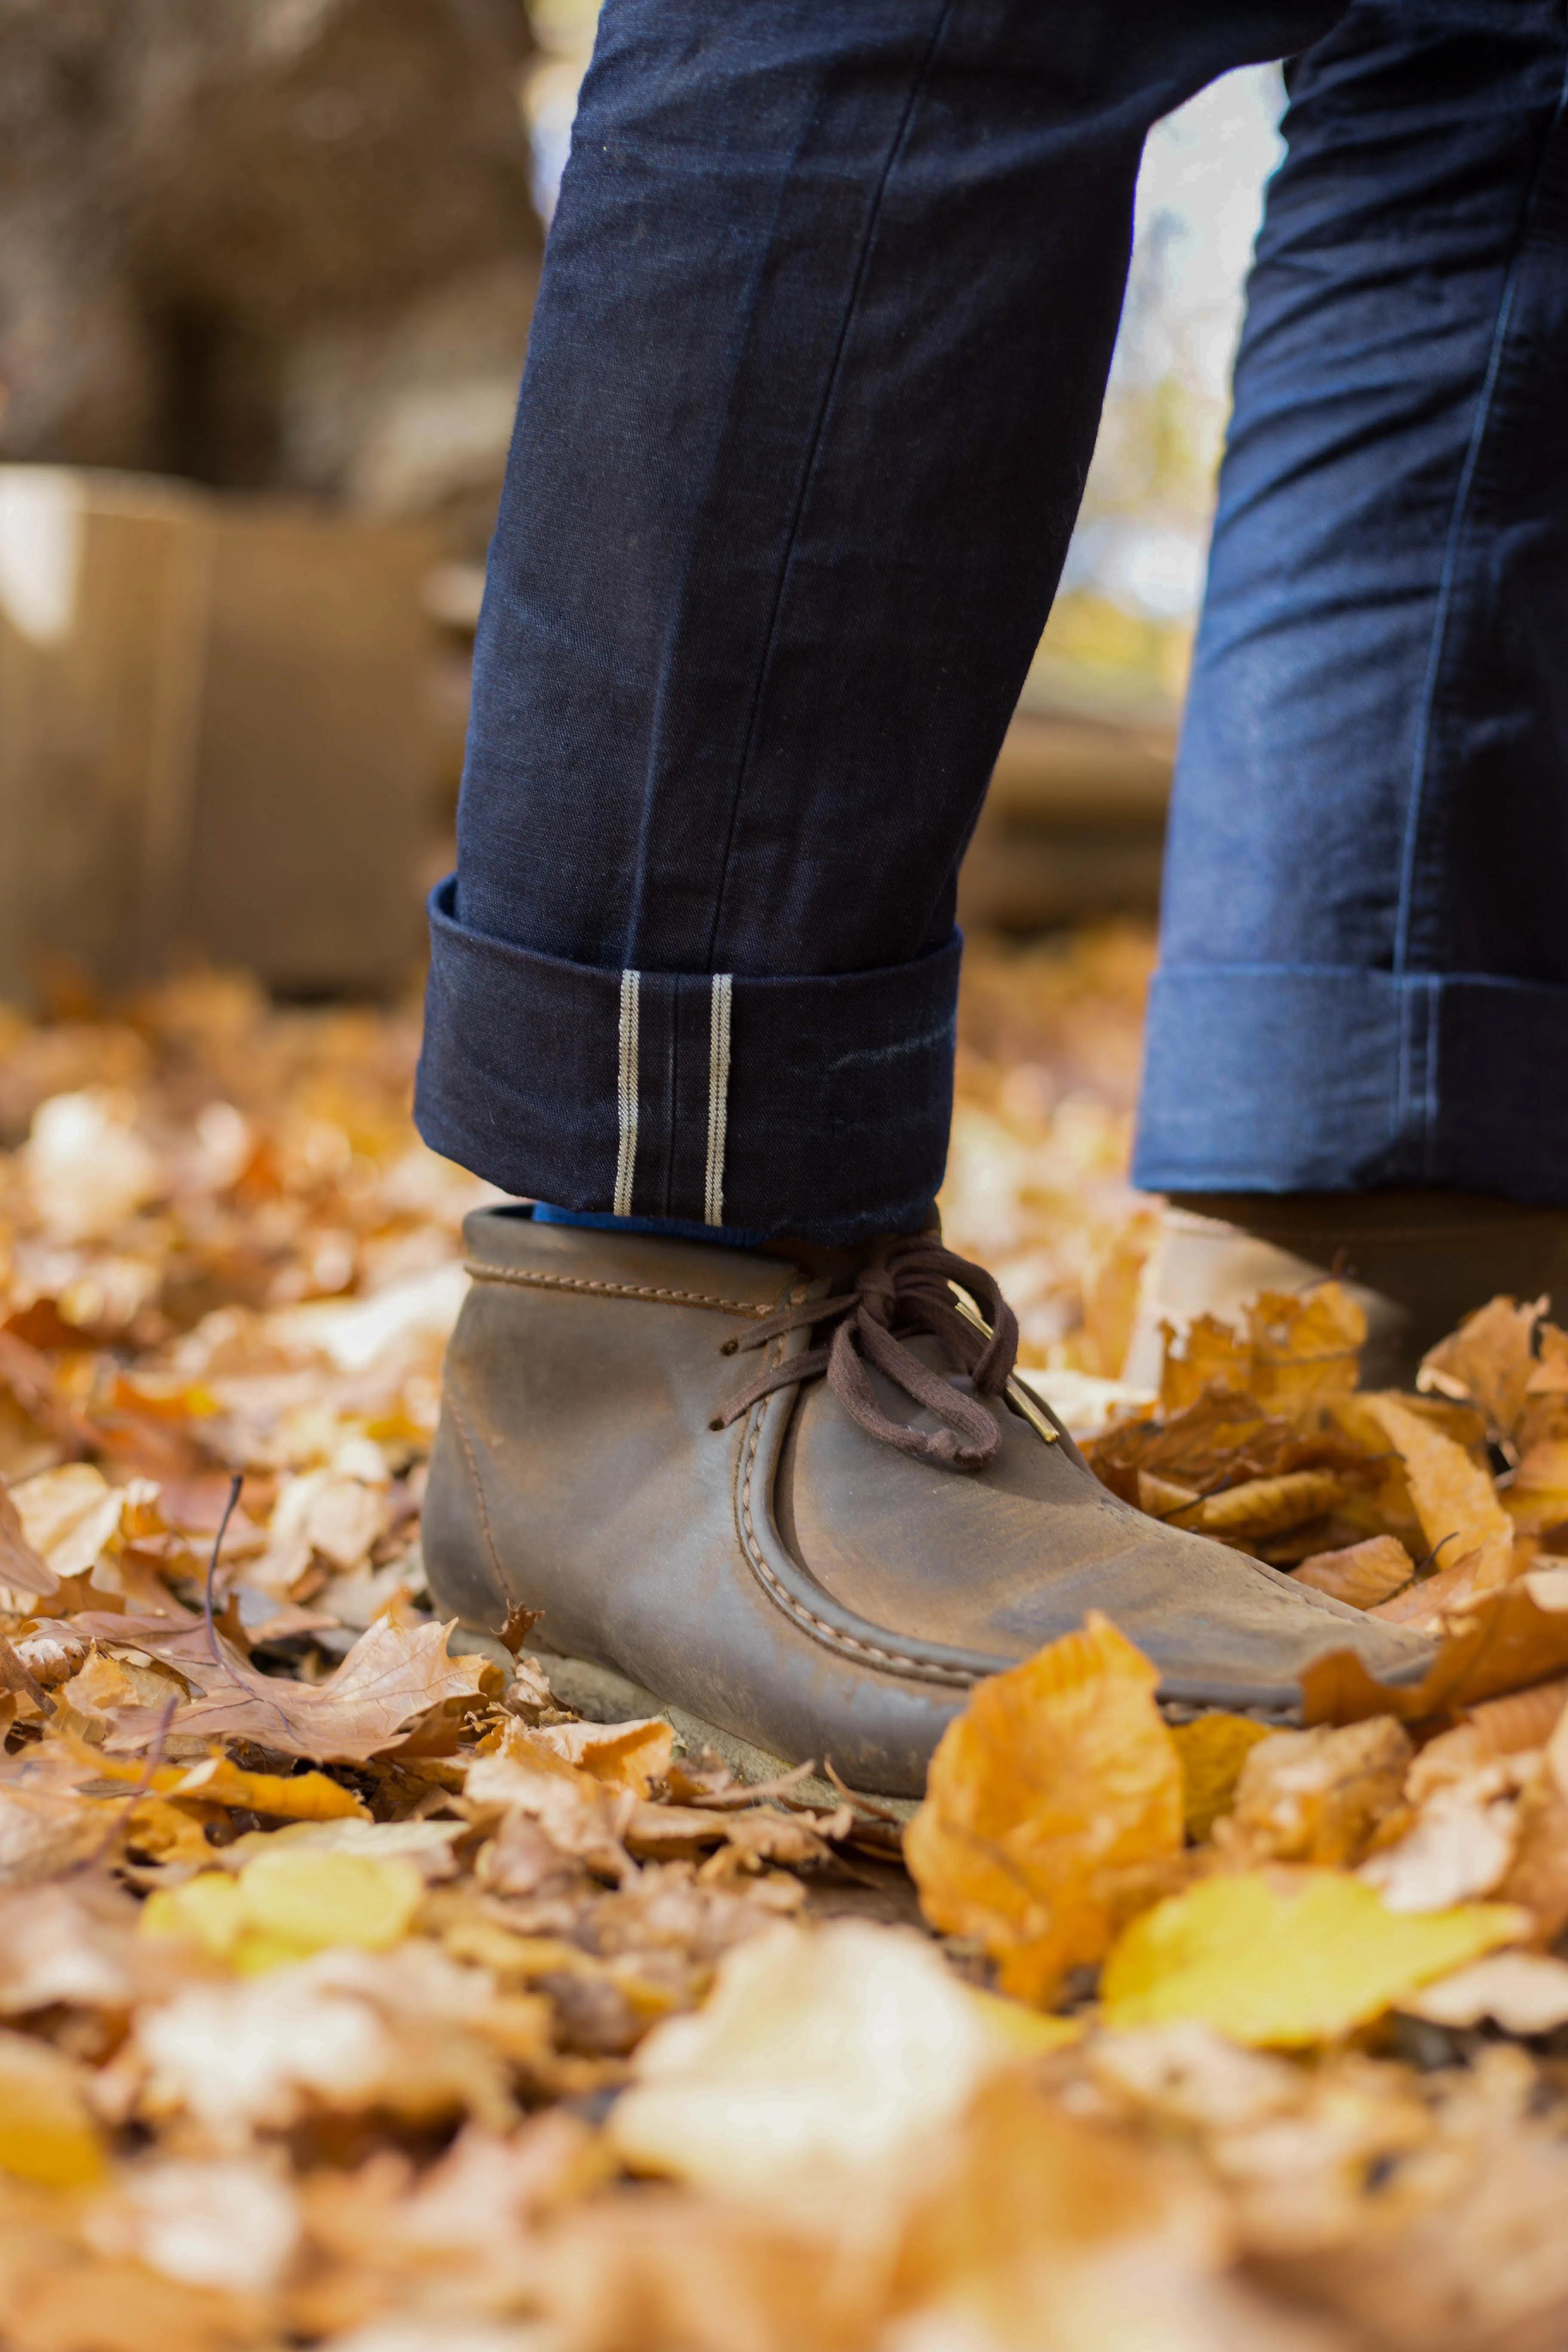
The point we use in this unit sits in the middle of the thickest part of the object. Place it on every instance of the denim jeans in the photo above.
(827, 309)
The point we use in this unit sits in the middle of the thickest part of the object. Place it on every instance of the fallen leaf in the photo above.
(389, 1679)
(1504, 1639)
(1049, 1802)
(1212, 1355)
(1287, 1959)
(1264, 1507)
(621, 1755)
(823, 2066)
(67, 1946)
(231, 2222)
(1213, 1749)
(1462, 1845)
(1363, 1573)
(21, 1569)
(1316, 1796)
(1306, 1348)
(1499, 1727)
(1524, 1992)
(346, 2032)
(1488, 1362)
(295, 1796)
(47, 2128)
(67, 1516)
(1455, 1499)
(43, 1830)
(288, 1903)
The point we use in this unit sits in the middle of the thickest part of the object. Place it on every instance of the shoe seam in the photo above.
(527, 1279)
(820, 1628)
(471, 1457)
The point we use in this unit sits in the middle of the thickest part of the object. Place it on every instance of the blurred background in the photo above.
(266, 269)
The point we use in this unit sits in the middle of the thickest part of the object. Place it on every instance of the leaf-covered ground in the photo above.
(358, 1991)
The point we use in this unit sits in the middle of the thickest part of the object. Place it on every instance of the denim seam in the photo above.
(808, 467)
(1403, 1106)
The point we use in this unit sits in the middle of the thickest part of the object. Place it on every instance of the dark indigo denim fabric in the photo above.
(1364, 966)
(813, 381)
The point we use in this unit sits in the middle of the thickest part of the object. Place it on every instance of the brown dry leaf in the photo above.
(1461, 1845)
(390, 1680)
(823, 2065)
(1306, 1349)
(67, 1516)
(44, 1830)
(1053, 1803)
(22, 1570)
(1363, 1573)
(1212, 1355)
(621, 1755)
(69, 1944)
(1501, 1727)
(1163, 1499)
(1455, 1499)
(1503, 1641)
(1430, 1599)
(1266, 1506)
(1213, 1750)
(1524, 1992)
(576, 1814)
(346, 2032)
(1316, 1796)
(1488, 1362)
(1536, 1498)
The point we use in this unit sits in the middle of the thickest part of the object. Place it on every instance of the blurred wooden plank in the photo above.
(314, 759)
(103, 596)
(1074, 823)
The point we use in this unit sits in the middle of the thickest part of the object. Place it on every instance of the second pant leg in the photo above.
(815, 378)
(1364, 962)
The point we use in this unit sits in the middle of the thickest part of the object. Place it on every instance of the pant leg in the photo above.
(1365, 964)
(814, 377)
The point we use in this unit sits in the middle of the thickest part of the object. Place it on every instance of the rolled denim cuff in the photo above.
(1264, 1078)
(816, 1105)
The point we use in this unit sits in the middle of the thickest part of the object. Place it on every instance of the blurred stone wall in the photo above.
(269, 244)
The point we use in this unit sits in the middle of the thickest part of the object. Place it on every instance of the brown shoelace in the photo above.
(903, 1288)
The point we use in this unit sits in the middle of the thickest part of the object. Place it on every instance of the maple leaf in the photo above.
(390, 1678)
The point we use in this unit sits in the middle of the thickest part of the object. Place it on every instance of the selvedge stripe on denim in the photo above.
(626, 1102)
(718, 1095)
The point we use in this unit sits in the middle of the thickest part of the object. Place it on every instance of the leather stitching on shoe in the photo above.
(529, 1280)
(894, 1661)
(461, 1425)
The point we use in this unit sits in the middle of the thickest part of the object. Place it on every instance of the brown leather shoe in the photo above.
(809, 1504)
(1418, 1261)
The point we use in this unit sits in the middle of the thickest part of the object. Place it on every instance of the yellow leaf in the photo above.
(303, 1797)
(1287, 1960)
(1213, 1749)
(1317, 1796)
(1537, 1497)
(1455, 1499)
(283, 1907)
(621, 1755)
(47, 2130)
(1052, 1805)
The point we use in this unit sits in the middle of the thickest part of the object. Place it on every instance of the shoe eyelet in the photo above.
(728, 1347)
(715, 1425)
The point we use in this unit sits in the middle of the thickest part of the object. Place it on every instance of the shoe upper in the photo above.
(791, 1576)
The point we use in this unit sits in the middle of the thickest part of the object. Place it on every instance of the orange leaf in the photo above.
(1052, 1805)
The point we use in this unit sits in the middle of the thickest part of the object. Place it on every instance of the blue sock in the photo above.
(669, 1229)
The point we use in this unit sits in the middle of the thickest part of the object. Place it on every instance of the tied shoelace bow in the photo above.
(903, 1288)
